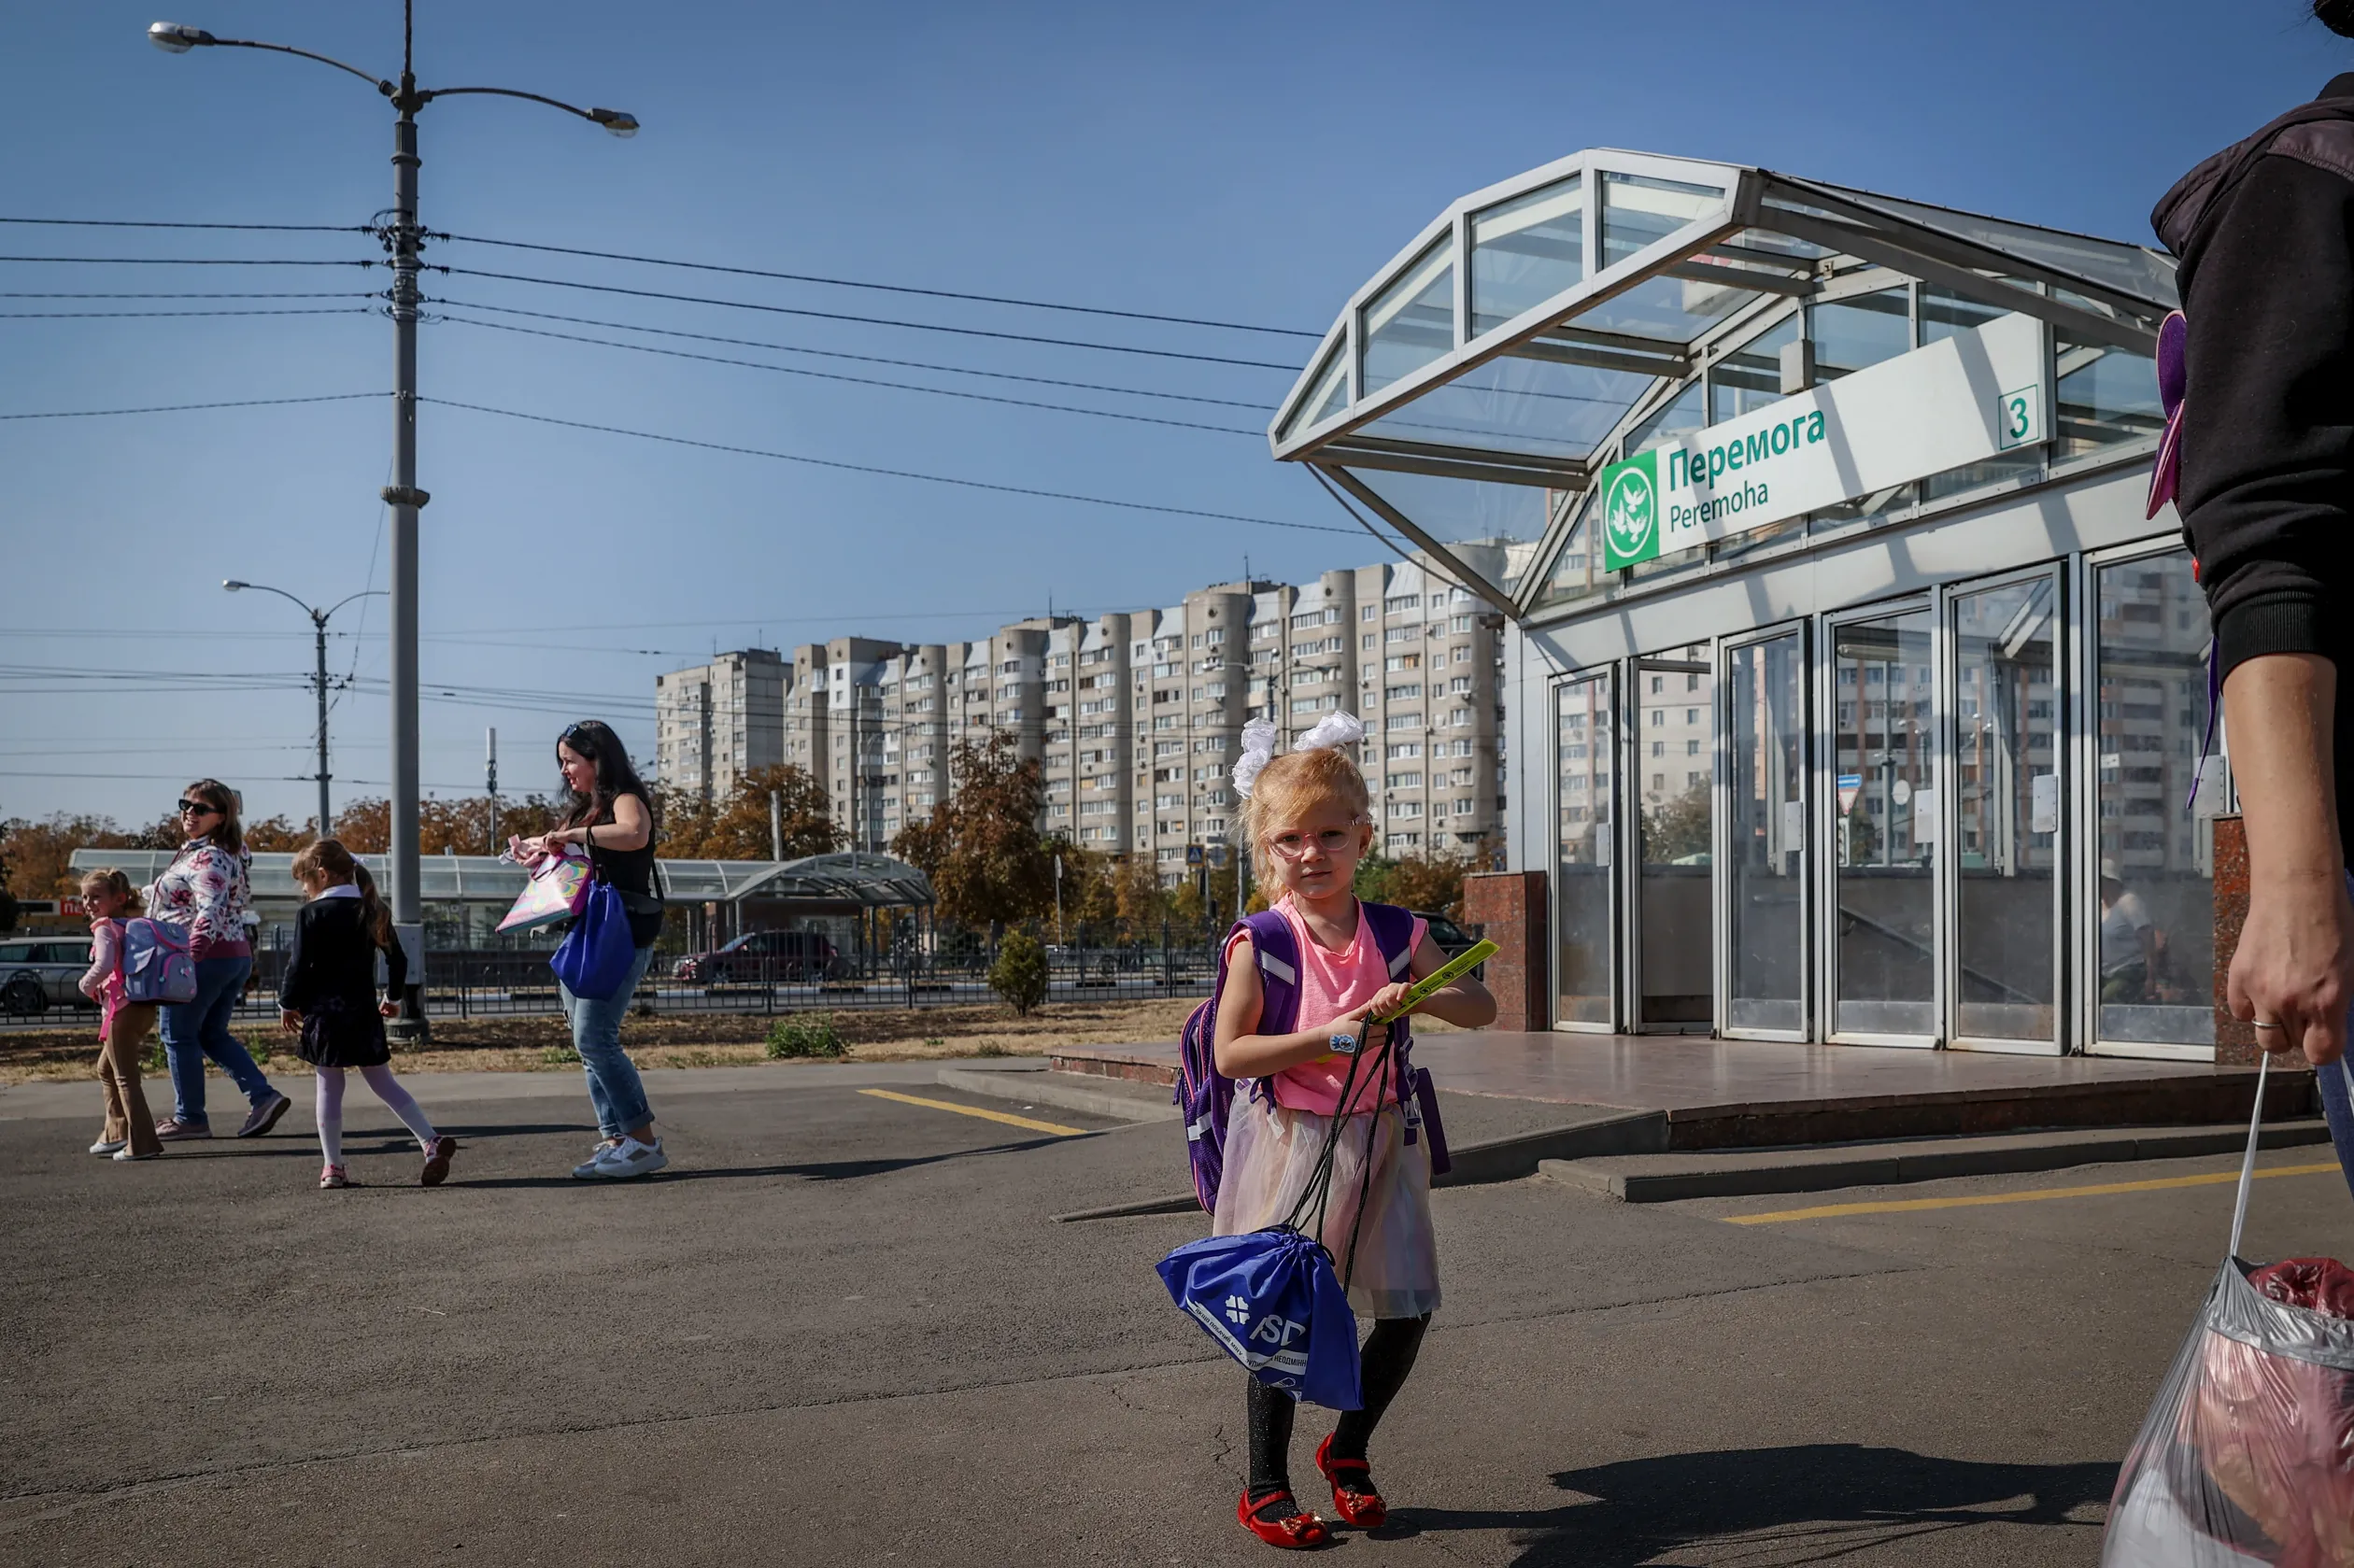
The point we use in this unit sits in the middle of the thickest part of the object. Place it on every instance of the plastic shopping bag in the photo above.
(558, 890)
(1270, 1298)
(2247, 1456)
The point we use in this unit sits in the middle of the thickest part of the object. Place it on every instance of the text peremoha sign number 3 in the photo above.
(1958, 401)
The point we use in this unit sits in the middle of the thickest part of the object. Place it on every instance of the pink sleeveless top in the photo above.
(1332, 985)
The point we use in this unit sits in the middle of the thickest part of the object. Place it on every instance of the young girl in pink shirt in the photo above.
(129, 1133)
(1309, 817)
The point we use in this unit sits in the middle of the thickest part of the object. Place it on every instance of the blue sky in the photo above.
(1248, 164)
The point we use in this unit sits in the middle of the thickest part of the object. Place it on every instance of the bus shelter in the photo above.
(1850, 693)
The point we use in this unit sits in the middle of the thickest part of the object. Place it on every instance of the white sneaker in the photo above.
(126, 1154)
(108, 1145)
(587, 1169)
(630, 1159)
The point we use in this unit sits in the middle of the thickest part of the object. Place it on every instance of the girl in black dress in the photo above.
(328, 997)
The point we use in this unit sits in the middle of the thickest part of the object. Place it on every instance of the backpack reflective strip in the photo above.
(1280, 969)
(1399, 966)
(1197, 1130)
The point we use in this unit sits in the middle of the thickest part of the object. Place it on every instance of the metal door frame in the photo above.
(1611, 677)
(1948, 752)
(1721, 890)
(2084, 865)
(1630, 834)
(1826, 768)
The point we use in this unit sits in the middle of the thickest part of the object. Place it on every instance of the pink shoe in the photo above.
(333, 1176)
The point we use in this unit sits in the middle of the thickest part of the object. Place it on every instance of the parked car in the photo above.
(759, 957)
(38, 975)
(1451, 938)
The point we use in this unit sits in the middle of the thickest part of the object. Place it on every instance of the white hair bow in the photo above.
(1332, 731)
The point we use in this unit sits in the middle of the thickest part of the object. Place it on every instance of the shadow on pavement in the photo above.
(1814, 1504)
(823, 1170)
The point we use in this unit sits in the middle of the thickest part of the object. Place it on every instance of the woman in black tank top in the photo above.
(610, 813)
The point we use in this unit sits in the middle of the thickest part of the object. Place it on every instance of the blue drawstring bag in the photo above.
(596, 956)
(1270, 1298)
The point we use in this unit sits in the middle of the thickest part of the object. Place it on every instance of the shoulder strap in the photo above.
(1394, 934)
(1278, 957)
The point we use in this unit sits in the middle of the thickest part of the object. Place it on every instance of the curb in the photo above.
(1038, 1088)
(1667, 1179)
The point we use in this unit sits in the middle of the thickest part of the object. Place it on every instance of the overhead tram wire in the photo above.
(157, 223)
(884, 288)
(188, 407)
(152, 294)
(853, 380)
(1254, 406)
(889, 473)
(866, 320)
(166, 315)
(193, 261)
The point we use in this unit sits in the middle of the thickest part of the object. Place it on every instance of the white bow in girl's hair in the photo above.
(1332, 731)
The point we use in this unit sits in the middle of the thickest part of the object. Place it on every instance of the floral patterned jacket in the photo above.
(205, 888)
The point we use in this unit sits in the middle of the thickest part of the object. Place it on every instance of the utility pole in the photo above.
(320, 680)
(490, 788)
(776, 827)
(403, 239)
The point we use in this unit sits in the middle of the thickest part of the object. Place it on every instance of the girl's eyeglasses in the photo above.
(1331, 840)
(197, 808)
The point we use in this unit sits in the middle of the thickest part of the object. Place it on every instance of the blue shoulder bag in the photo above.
(596, 956)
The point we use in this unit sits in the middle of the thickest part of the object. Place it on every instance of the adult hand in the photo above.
(290, 1021)
(2295, 963)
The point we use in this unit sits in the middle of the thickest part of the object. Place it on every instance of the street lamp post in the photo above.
(404, 237)
(319, 679)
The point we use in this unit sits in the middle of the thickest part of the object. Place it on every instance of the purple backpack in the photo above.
(1206, 1096)
(157, 966)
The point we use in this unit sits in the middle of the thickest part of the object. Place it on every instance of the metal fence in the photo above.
(481, 982)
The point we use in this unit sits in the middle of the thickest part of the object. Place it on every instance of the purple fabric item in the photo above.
(2165, 477)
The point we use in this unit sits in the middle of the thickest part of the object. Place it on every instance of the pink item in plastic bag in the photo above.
(2246, 1460)
(558, 889)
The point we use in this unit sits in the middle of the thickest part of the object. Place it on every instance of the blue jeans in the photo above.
(2331, 1082)
(614, 1087)
(195, 1030)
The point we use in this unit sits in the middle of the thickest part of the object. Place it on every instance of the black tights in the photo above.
(1383, 1364)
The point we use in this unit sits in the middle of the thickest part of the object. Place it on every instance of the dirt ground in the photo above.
(708, 1039)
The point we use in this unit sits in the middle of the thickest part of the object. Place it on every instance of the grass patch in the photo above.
(560, 1056)
(814, 1035)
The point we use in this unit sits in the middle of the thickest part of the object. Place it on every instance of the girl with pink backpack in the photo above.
(129, 1130)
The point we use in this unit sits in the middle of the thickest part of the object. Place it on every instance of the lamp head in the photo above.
(232, 585)
(176, 37)
(619, 122)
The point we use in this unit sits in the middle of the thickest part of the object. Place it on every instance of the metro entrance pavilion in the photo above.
(1852, 696)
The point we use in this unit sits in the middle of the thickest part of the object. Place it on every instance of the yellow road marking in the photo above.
(1005, 1116)
(1908, 1206)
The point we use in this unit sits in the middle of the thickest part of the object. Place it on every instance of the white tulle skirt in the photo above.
(1389, 1263)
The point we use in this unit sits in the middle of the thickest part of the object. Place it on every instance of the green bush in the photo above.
(1019, 974)
(804, 1037)
(560, 1056)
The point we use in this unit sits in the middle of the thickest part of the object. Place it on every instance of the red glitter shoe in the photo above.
(1353, 1495)
(1292, 1532)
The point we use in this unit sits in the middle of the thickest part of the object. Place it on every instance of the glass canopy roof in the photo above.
(867, 880)
(1539, 329)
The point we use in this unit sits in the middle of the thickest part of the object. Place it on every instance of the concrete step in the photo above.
(1121, 1100)
(1665, 1178)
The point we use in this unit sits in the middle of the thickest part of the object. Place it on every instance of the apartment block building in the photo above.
(1136, 717)
(717, 720)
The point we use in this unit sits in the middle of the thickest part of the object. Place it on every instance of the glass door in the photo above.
(1672, 772)
(1583, 908)
(2003, 694)
(1884, 830)
(1764, 849)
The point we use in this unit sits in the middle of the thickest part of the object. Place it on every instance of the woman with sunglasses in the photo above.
(609, 812)
(205, 889)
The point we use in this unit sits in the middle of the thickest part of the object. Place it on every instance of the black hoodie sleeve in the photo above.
(2267, 492)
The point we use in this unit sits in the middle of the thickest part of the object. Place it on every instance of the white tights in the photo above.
(388, 1089)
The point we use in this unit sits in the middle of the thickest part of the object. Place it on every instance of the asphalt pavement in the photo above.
(844, 1329)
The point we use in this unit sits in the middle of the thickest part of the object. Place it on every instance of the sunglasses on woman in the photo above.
(198, 808)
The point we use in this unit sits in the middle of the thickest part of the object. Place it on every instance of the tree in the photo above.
(1418, 880)
(737, 829)
(1019, 974)
(1678, 829)
(39, 854)
(1137, 896)
(981, 847)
